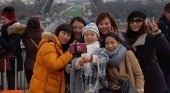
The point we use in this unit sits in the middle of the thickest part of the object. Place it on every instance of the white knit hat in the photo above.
(91, 26)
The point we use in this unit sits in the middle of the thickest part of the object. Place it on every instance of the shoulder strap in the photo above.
(34, 43)
(126, 65)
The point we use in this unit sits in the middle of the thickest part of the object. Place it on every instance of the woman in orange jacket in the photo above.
(52, 56)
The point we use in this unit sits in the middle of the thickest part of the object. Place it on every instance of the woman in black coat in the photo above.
(10, 41)
(145, 42)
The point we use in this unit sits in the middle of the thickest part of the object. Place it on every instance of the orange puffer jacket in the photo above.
(48, 72)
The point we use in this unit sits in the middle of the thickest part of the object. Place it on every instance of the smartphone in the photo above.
(81, 47)
(78, 48)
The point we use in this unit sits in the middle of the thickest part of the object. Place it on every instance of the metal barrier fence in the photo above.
(21, 80)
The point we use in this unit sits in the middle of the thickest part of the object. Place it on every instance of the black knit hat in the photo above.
(136, 13)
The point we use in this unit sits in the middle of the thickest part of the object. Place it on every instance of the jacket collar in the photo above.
(140, 41)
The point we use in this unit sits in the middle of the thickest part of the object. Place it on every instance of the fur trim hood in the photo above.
(49, 37)
(16, 28)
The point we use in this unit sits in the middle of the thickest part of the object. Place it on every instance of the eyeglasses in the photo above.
(136, 20)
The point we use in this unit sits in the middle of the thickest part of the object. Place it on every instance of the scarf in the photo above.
(116, 57)
(93, 47)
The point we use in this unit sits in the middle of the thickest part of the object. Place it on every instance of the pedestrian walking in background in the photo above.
(31, 39)
(164, 25)
(10, 42)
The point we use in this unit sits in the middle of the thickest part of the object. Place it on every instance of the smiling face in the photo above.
(90, 37)
(111, 44)
(105, 26)
(78, 27)
(64, 37)
(136, 24)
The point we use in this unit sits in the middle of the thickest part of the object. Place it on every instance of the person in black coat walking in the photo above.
(10, 42)
(31, 39)
(145, 42)
(164, 25)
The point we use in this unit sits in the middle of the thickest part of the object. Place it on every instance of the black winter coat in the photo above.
(146, 54)
(10, 42)
(164, 61)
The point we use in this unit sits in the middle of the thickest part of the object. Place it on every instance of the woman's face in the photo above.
(135, 24)
(90, 37)
(111, 44)
(64, 37)
(5, 20)
(78, 27)
(105, 26)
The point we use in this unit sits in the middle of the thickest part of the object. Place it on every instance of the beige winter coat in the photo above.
(134, 72)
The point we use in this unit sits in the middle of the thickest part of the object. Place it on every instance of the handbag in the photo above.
(34, 43)
(5, 56)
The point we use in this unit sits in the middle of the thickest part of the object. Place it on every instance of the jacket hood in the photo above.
(50, 37)
(16, 28)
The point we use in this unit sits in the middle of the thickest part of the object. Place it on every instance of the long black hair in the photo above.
(79, 19)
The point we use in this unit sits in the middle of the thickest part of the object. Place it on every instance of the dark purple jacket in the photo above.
(31, 49)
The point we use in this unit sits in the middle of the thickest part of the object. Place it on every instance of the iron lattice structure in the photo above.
(98, 6)
(42, 6)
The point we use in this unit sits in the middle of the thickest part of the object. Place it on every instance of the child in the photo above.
(82, 73)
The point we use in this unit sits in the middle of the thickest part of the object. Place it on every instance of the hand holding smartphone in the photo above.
(78, 48)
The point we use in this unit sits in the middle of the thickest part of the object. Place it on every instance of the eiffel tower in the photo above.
(98, 6)
(42, 6)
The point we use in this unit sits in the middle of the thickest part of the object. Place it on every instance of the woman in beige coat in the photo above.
(122, 65)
